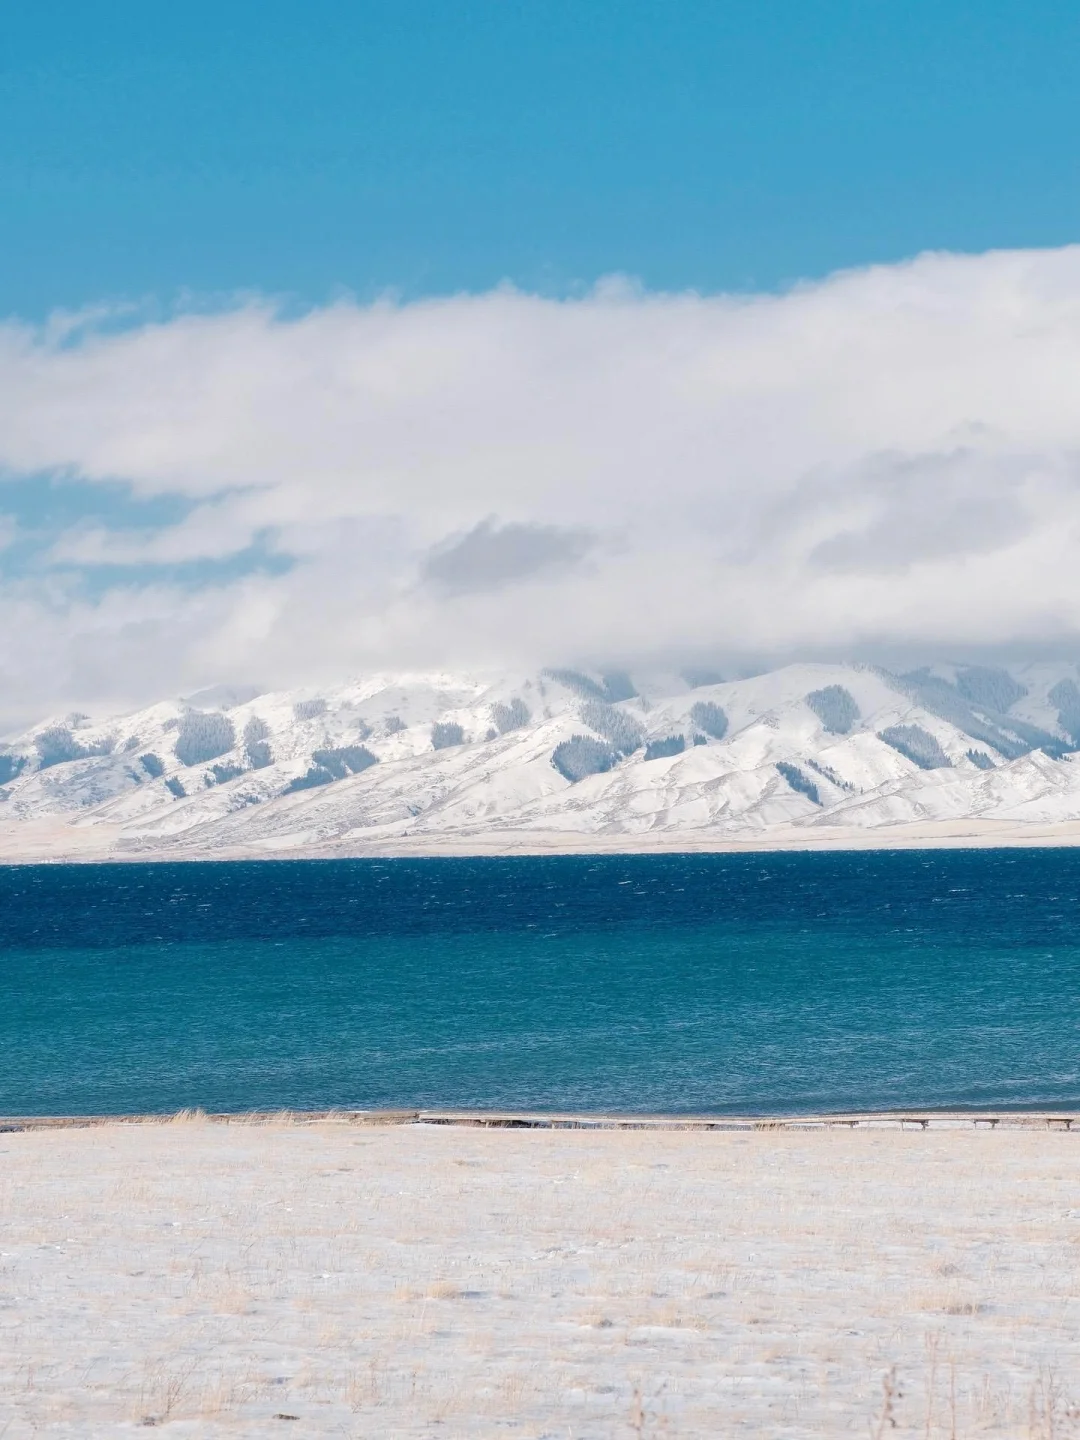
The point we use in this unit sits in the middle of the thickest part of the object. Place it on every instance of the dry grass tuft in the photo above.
(444, 1290)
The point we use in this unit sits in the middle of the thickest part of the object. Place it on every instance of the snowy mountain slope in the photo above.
(407, 758)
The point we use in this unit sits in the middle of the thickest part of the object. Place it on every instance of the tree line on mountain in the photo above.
(662, 749)
(446, 734)
(989, 688)
(981, 760)
(799, 782)
(835, 707)
(1066, 697)
(309, 709)
(256, 744)
(828, 773)
(624, 732)
(583, 755)
(916, 745)
(510, 717)
(616, 685)
(222, 774)
(967, 705)
(333, 764)
(10, 767)
(57, 745)
(203, 735)
(709, 718)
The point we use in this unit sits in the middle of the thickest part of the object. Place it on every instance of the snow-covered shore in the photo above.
(330, 1279)
(53, 843)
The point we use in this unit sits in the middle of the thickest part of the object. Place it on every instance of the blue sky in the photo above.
(269, 412)
(154, 150)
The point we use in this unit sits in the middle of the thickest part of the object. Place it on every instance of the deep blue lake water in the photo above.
(740, 983)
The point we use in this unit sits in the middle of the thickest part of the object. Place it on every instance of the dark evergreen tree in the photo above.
(1066, 697)
(152, 765)
(799, 782)
(835, 707)
(445, 734)
(618, 686)
(345, 760)
(989, 688)
(309, 709)
(10, 765)
(981, 759)
(510, 717)
(314, 776)
(661, 749)
(916, 745)
(709, 718)
(829, 774)
(204, 735)
(56, 746)
(1005, 734)
(625, 733)
(257, 744)
(222, 774)
(581, 755)
(580, 684)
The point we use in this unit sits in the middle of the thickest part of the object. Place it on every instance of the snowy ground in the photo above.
(334, 1280)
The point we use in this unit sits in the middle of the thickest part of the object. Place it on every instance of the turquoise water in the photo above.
(734, 983)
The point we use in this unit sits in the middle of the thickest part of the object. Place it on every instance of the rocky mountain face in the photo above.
(555, 759)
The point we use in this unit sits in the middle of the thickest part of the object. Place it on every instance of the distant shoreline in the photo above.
(914, 1119)
(36, 842)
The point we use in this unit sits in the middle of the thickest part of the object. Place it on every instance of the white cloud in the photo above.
(887, 458)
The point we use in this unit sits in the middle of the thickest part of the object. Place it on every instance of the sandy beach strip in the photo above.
(337, 1279)
(59, 840)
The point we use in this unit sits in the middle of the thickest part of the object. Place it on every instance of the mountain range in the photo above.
(808, 755)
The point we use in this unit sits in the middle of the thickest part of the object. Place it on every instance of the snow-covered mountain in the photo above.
(808, 754)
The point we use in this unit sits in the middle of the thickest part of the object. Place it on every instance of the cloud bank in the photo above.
(888, 458)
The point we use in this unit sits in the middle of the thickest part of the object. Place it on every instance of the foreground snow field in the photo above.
(810, 754)
(329, 1279)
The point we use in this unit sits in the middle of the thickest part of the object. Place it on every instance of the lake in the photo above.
(776, 983)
